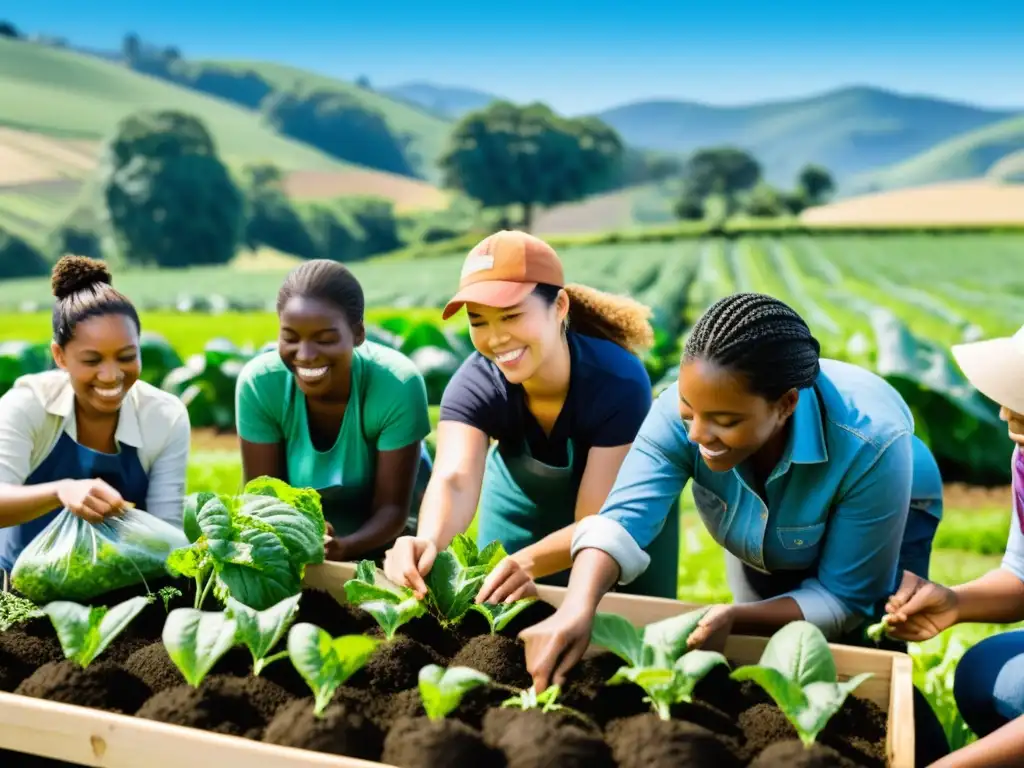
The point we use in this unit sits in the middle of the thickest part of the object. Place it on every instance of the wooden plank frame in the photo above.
(91, 737)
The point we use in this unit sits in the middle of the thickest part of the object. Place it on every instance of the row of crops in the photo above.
(893, 304)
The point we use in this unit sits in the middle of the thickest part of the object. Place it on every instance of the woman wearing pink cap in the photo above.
(989, 682)
(556, 383)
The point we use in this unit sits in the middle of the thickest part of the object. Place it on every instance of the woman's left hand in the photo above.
(714, 629)
(507, 583)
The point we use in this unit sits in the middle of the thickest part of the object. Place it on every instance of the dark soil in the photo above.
(377, 714)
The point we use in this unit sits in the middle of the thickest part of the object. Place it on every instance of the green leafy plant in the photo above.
(442, 689)
(85, 631)
(876, 631)
(325, 662)
(16, 610)
(456, 577)
(195, 640)
(260, 631)
(798, 671)
(167, 594)
(254, 546)
(657, 657)
(390, 605)
(530, 699)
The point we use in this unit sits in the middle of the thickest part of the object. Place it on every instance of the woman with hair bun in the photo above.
(89, 436)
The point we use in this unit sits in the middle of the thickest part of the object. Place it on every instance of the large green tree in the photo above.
(725, 172)
(169, 200)
(528, 156)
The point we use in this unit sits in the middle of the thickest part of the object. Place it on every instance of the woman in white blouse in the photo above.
(89, 436)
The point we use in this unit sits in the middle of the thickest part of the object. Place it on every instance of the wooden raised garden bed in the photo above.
(62, 711)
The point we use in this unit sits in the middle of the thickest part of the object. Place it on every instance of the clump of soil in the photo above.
(500, 657)
(30, 649)
(220, 704)
(647, 741)
(341, 730)
(395, 665)
(103, 685)
(422, 743)
(534, 739)
(793, 754)
(154, 667)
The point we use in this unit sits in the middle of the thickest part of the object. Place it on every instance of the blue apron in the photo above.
(522, 500)
(71, 461)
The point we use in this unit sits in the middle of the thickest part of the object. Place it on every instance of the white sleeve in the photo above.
(167, 476)
(19, 428)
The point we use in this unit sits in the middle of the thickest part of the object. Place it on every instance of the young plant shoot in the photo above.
(16, 610)
(85, 631)
(261, 631)
(656, 656)
(325, 662)
(798, 671)
(442, 689)
(196, 640)
(390, 605)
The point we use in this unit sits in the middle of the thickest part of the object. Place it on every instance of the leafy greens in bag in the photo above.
(74, 560)
(255, 546)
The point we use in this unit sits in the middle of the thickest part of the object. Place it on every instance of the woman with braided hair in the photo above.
(805, 470)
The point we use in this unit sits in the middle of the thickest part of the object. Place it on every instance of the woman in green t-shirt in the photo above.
(333, 411)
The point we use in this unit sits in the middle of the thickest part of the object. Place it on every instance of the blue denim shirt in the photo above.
(838, 498)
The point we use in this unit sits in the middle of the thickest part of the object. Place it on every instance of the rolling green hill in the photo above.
(849, 131)
(1010, 168)
(445, 101)
(968, 156)
(70, 95)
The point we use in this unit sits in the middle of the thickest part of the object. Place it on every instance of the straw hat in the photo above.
(996, 368)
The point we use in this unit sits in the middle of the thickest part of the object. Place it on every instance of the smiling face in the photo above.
(728, 421)
(519, 338)
(102, 360)
(315, 342)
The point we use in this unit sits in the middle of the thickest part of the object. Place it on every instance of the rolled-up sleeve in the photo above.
(861, 550)
(650, 480)
(19, 413)
(167, 476)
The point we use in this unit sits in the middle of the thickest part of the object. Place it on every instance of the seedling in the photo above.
(196, 640)
(85, 631)
(325, 662)
(16, 610)
(498, 615)
(390, 605)
(167, 594)
(530, 699)
(798, 671)
(876, 631)
(442, 689)
(657, 657)
(260, 631)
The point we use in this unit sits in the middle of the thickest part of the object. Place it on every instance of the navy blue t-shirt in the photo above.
(608, 399)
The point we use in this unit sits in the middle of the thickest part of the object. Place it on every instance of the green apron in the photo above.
(522, 500)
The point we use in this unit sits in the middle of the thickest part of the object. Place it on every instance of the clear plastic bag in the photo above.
(72, 559)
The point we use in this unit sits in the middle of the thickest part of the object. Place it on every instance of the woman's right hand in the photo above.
(920, 609)
(92, 499)
(408, 561)
(555, 645)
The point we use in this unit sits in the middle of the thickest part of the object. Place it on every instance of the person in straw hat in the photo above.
(989, 681)
(536, 422)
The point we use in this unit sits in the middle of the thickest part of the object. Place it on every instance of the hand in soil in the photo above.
(507, 583)
(409, 561)
(713, 630)
(555, 645)
(920, 609)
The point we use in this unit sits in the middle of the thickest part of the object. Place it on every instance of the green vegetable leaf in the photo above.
(668, 686)
(325, 662)
(452, 586)
(620, 636)
(441, 689)
(190, 521)
(260, 631)
(391, 605)
(798, 671)
(658, 644)
(196, 640)
(498, 615)
(16, 610)
(530, 699)
(85, 631)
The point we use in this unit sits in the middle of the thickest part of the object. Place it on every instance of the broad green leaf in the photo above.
(498, 615)
(85, 631)
(800, 651)
(303, 540)
(196, 640)
(667, 638)
(442, 689)
(391, 605)
(271, 577)
(190, 512)
(464, 549)
(491, 555)
(690, 669)
(188, 562)
(619, 636)
(452, 586)
(260, 631)
(324, 662)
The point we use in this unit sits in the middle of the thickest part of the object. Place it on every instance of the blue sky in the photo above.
(584, 55)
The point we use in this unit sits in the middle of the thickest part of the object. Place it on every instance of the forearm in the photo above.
(1000, 749)
(22, 503)
(549, 555)
(447, 509)
(594, 572)
(383, 527)
(765, 615)
(997, 598)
